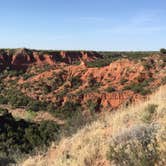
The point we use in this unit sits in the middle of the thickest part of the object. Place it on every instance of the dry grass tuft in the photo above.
(91, 145)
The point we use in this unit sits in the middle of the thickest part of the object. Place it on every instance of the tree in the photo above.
(163, 50)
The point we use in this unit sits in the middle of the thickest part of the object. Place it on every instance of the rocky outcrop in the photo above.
(120, 83)
(95, 82)
(22, 58)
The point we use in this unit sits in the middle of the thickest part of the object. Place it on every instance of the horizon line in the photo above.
(51, 49)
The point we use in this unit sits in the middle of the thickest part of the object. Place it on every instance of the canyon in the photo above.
(47, 95)
(58, 77)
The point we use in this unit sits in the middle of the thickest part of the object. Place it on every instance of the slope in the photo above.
(115, 139)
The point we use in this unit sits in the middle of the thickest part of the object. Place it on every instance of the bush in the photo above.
(12, 73)
(75, 82)
(27, 75)
(18, 101)
(16, 98)
(145, 92)
(163, 50)
(67, 110)
(47, 89)
(148, 65)
(93, 106)
(30, 115)
(35, 105)
(3, 111)
(123, 81)
(92, 82)
(1, 84)
(109, 57)
(149, 113)
(138, 88)
(163, 80)
(135, 147)
(76, 122)
(22, 137)
(15, 73)
(3, 100)
(110, 89)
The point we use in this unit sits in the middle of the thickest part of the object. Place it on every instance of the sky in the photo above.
(106, 25)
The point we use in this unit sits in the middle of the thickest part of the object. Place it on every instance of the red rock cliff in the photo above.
(22, 58)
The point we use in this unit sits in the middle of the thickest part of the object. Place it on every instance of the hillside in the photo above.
(62, 91)
(130, 136)
(62, 77)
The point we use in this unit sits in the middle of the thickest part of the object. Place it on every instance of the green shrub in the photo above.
(123, 81)
(99, 63)
(11, 73)
(3, 111)
(163, 81)
(15, 73)
(35, 105)
(30, 115)
(1, 85)
(3, 100)
(22, 137)
(145, 92)
(75, 82)
(163, 50)
(110, 89)
(108, 57)
(92, 82)
(147, 65)
(27, 75)
(47, 89)
(77, 121)
(67, 110)
(139, 88)
(17, 99)
(93, 106)
(149, 112)
(135, 147)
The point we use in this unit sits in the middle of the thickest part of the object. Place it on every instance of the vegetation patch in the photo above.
(149, 113)
(139, 88)
(163, 80)
(67, 110)
(109, 57)
(163, 50)
(30, 115)
(110, 89)
(3, 111)
(75, 82)
(135, 147)
(23, 137)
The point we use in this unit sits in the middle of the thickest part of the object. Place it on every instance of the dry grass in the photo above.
(90, 145)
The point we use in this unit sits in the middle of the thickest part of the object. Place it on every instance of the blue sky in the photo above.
(83, 24)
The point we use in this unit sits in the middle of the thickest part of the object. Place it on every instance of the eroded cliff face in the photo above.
(102, 88)
(23, 58)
